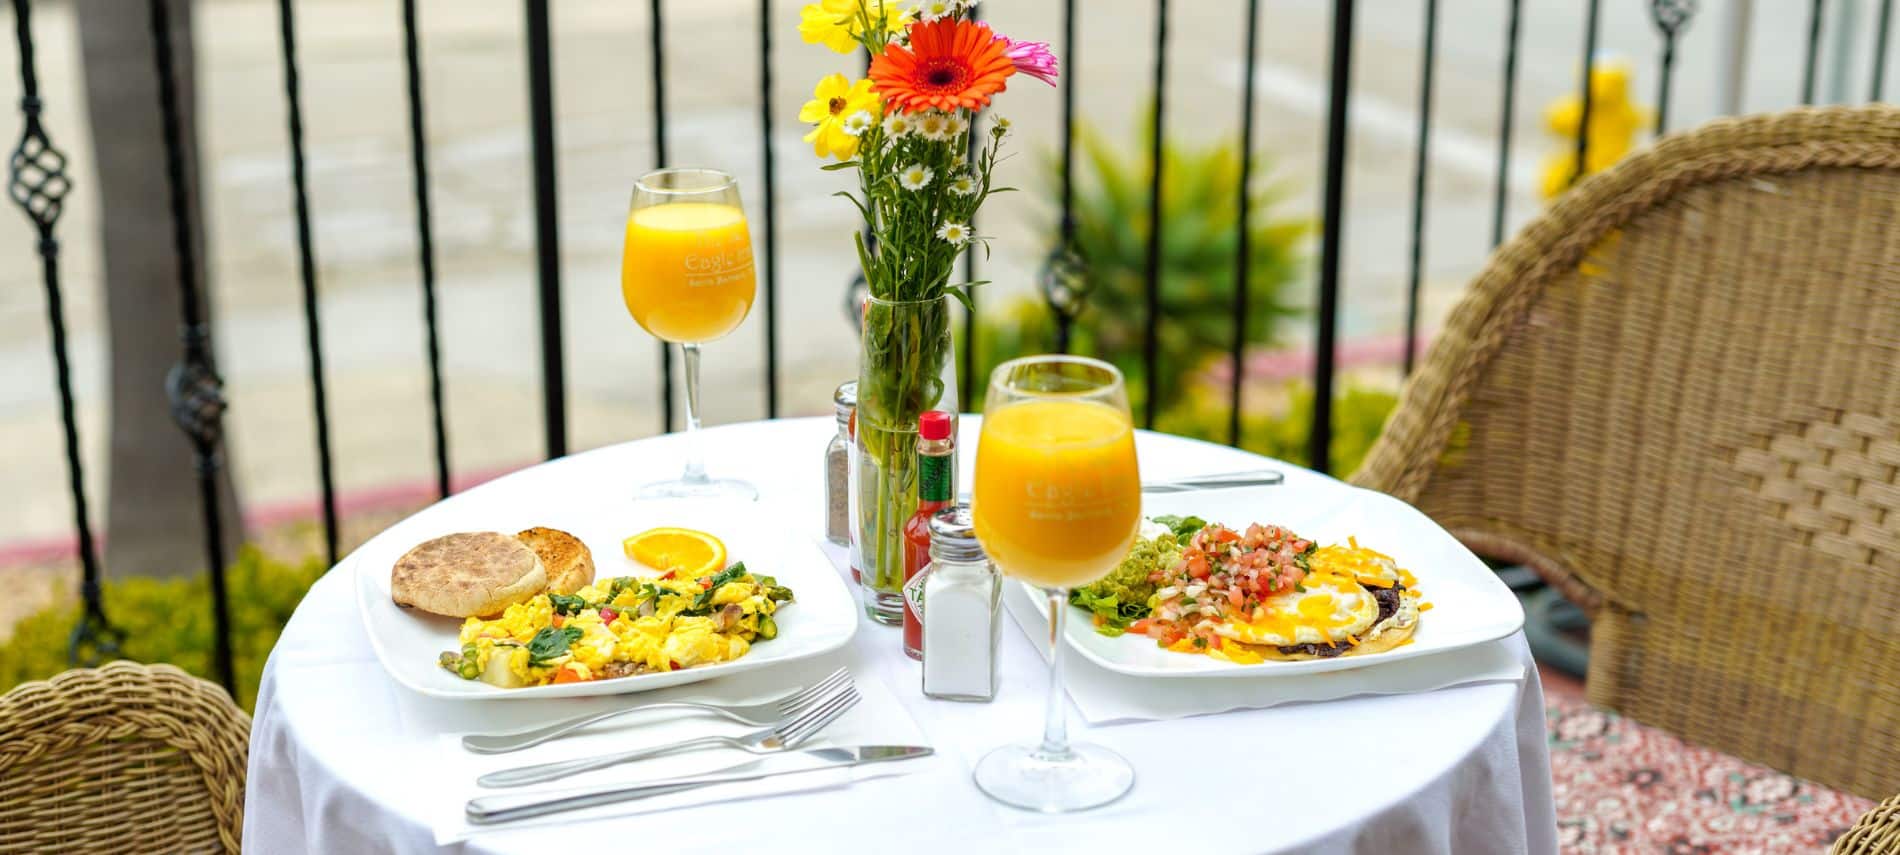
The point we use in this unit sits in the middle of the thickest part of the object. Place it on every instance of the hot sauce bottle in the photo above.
(936, 474)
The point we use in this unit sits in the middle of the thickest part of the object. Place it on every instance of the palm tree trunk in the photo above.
(153, 524)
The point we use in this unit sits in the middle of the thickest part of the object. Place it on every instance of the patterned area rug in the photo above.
(1626, 787)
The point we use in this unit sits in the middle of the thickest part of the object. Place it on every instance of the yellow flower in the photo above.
(834, 101)
(834, 23)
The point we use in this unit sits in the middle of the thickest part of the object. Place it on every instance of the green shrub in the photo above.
(169, 620)
(1200, 230)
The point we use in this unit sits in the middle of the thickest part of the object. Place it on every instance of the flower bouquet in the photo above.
(909, 131)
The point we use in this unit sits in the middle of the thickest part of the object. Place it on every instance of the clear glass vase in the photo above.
(906, 367)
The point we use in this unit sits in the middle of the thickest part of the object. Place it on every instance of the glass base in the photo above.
(885, 607)
(711, 488)
(1027, 777)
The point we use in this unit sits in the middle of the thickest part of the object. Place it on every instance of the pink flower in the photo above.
(1032, 58)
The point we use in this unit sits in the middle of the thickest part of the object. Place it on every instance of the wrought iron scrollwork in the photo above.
(1670, 17)
(1065, 288)
(37, 182)
(197, 398)
(37, 172)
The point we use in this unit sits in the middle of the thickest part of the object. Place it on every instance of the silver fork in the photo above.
(785, 736)
(756, 715)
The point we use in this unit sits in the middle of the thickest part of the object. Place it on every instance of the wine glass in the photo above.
(1057, 502)
(687, 277)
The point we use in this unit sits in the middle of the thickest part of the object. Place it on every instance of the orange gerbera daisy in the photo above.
(950, 64)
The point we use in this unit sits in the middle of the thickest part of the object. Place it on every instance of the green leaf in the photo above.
(854, 200)
(703, 602)
(842, 164)
(963, 296)
(550, 643)
(567, 604)
(1183, 527)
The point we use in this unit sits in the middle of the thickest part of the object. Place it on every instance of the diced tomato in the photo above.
(1224, 535)
(1142, 626)
(1197, 567)
(607, 614)
(568, 675)
(1236, 597)
(667, 575)
(557, 620)
(705, 583)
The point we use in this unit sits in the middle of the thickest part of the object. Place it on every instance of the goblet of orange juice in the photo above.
(686, 274)
(1057, 502)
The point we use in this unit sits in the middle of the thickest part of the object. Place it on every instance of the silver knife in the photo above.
(1224, 481)
(488, 810)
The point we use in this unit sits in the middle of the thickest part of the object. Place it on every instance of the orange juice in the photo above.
(687, 270)
(1058, 495)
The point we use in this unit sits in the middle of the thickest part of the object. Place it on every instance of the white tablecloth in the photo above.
(1459, 770)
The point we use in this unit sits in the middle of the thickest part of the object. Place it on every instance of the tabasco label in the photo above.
(914, 597)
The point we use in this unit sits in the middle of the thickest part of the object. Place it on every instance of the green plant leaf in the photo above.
(842, 164)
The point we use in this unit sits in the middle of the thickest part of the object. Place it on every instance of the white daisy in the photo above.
(933, 125)
(899, 125)
(956, 161)
(963, 184)
(958, 124)
(957, 234)
(859, 122)
(932, 10)
(915, 177)
(999, 126)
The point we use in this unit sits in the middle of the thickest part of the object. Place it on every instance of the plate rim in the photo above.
(1342, 663)
(365, 590)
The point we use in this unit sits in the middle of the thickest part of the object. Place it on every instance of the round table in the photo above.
(1462, 769)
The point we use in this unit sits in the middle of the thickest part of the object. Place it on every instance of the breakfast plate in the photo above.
(1469, 605)
(408, 642)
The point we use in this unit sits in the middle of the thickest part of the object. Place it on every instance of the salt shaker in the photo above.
(963, 594)
(838, 467)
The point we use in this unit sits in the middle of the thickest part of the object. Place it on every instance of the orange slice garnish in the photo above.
(689, 553)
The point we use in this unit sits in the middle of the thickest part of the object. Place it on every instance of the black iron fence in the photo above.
(39, 182)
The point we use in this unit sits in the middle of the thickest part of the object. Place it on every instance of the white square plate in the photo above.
(1470, 605)
(822, 618)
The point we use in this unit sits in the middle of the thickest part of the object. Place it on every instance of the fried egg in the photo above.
(1323, 610)
(1368, 567)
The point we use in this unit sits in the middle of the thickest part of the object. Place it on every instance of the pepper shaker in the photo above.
(838, 466)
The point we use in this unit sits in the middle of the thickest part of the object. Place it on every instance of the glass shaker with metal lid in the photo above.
(960, 604)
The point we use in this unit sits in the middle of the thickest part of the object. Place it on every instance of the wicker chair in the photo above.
(1877, 833)
(118, 758)
(1676, 395)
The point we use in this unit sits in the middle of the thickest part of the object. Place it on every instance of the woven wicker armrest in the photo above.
(1877, 832)
(122, 757)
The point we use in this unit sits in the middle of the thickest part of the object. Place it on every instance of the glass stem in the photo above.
(1055, 728)
(695, 459)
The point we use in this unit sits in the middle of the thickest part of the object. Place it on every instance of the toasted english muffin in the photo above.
(468, 574)
(570, 566)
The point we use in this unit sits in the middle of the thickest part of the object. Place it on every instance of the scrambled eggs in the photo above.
(620, 627)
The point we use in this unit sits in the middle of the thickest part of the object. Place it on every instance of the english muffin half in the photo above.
(468, 574)
(570, 566)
